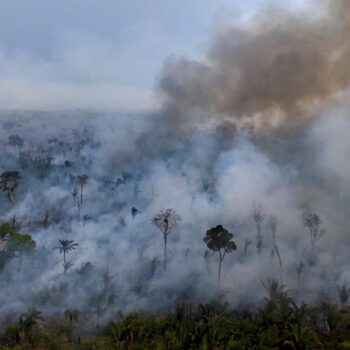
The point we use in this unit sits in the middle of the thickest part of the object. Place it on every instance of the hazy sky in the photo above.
(66, 54)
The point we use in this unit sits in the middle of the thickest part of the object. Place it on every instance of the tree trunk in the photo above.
(10, 196)
(312, 251)
(64, 262)
(81, 195)
(165, 242)
(219, 272)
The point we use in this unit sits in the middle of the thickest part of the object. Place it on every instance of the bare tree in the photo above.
(15, 224)
(313, 222)
(9, 181)
(166, 220)
(106, 275)
(97, 300)
(258, 217)
(247, 243)
(74, 194)
(218, 239)
(46, 219)
(77, 194)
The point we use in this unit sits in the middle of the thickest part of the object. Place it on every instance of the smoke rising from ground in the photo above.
(204, 190)
(271, 76)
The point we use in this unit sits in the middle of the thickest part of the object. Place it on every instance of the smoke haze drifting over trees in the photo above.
(252, 141)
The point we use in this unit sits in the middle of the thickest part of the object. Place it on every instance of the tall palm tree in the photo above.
(65, 247)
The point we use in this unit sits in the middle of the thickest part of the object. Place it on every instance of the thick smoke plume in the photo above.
(270, 73)
(278, 74)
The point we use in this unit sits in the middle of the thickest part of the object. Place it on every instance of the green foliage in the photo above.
(280, 324)
(21, 244)
(14, 243)
(6, 229)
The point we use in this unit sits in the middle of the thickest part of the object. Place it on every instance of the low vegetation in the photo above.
(279, 323)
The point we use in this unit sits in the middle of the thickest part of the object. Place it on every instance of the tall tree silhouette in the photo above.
(247, 243)
(219, 240)
(313, 222)
(273, 224)
(78, 194)
(166, 220)
(65, 247)
(258, 217)
(98, 301)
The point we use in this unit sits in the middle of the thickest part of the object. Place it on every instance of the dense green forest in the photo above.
(279, 323)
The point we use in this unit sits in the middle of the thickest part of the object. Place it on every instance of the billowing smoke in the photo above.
(281, 74)
(270, 73)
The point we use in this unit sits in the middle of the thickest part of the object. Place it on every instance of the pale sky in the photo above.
(100, 54)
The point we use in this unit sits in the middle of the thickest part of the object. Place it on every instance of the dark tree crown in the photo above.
(218, 238)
